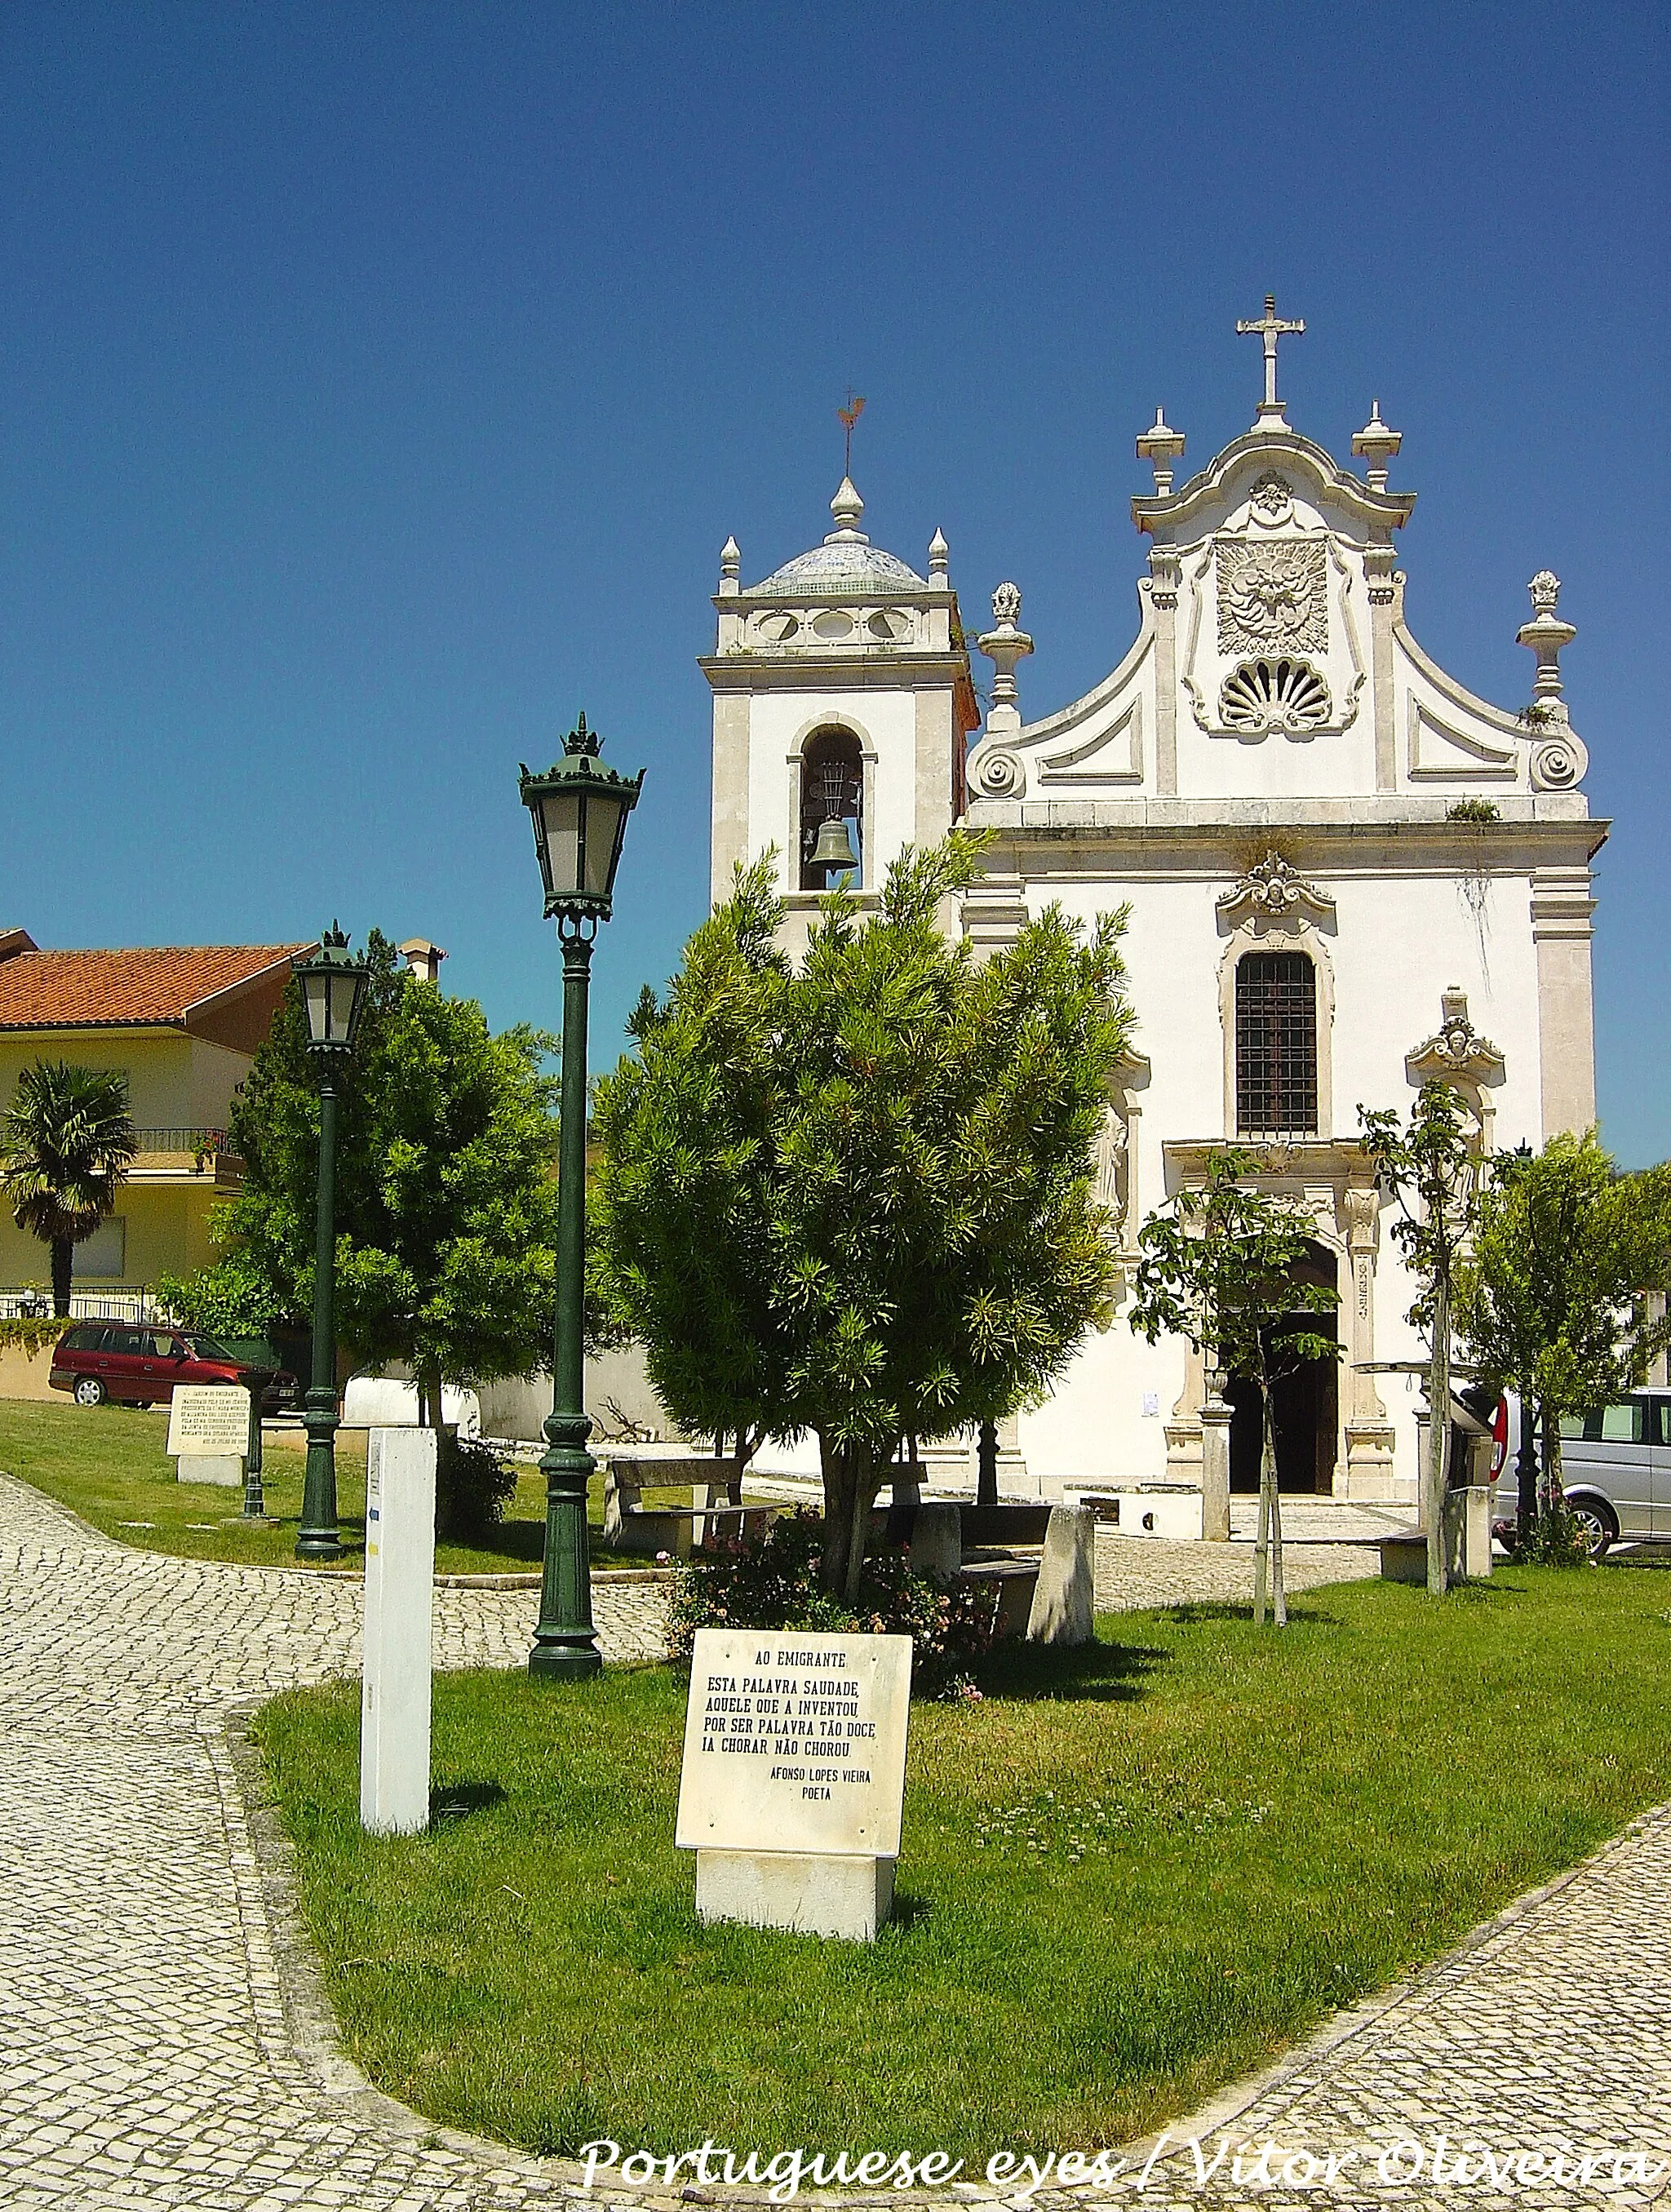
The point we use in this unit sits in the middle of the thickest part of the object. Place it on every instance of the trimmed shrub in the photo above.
(771, 1581)
(473, 1487)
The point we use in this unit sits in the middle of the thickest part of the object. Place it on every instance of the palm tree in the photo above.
(65, 1144)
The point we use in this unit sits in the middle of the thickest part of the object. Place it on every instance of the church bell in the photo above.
(834, 847)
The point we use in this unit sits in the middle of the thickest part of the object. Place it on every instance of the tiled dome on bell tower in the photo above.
(841, 696)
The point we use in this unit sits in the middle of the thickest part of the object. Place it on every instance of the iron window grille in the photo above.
(1276, 1045)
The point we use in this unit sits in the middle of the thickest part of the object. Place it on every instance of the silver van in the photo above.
(1615, 1467)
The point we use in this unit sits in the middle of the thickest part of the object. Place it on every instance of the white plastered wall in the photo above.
(1398, 942)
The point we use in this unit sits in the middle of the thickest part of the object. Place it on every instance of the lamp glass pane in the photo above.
(562, 810)
(344, 989)
(316, 996)
(603, 825)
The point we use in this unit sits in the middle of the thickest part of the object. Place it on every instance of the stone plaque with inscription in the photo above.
(208, 1432)
(794, 1776)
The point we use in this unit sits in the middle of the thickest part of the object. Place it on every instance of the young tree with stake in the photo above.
(1219, 1268)
(1431, 1171)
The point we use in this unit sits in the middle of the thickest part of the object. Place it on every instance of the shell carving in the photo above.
(1281, 693)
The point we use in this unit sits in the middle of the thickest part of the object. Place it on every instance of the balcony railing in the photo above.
(199, 1143)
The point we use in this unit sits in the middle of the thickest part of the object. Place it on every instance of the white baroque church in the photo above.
(1347, 875)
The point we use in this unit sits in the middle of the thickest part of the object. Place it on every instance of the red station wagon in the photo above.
(139, 1365)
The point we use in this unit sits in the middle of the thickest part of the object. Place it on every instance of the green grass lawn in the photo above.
(107, 1464)
(1126, 1876)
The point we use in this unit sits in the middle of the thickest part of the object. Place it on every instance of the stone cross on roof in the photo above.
(1269, 328)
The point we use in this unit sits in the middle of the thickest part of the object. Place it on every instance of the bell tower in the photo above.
(843, 705)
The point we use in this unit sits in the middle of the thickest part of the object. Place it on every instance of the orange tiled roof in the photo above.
(146, 984)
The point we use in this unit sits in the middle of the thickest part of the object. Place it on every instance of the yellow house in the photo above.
(183, 1024)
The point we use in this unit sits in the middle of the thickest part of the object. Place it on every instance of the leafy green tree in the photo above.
(65, 1144)
(446, 1184)
(1552, 1301)
(1219, 1267)
(232, 1298)
(1432, 1173)
(853, 1196)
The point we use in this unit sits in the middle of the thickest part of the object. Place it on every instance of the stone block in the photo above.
(813, 1893)
(937, 1542)
(1064, 1595)
(1467, 1529)
(1404, 1558)
(220, 1469)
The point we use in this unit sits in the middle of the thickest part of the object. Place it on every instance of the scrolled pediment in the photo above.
(1273, 891)
(1455, 1053)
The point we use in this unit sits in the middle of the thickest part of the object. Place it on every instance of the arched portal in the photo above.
(1305, 1402)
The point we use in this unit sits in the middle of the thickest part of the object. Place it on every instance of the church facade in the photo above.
(1346, 873)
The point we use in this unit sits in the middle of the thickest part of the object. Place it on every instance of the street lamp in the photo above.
(333, 989)
(579, 809)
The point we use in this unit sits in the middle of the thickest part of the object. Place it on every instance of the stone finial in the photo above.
(1545, 636)
(730, 568)
(1377, 444)
(847, 507)
(939, 554)
(1160, 446)
(1004, 645)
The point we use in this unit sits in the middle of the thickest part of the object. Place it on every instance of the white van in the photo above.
(1615, 1469)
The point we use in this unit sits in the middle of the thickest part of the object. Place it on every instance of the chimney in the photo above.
(424, 960)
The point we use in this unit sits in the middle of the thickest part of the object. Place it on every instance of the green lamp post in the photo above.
(579, 809)
(333, 990)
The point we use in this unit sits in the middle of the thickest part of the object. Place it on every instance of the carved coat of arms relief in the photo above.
(1272, 595)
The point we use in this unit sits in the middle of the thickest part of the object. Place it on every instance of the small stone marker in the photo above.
(395, 1679)
(1064, 1598)
(208, 1432)
(793, 1777)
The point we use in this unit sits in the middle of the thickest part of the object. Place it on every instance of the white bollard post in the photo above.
(394, 1694)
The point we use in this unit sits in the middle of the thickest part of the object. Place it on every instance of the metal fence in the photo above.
(24, 1303)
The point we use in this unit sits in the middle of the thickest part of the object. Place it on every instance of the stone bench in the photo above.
(1467, 1514)
(630, 1525)
(1167, 1510)
(1048, 1598)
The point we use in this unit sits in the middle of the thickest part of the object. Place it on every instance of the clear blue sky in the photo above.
(379, 383)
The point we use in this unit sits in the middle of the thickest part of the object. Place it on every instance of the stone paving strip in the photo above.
(163, 2043)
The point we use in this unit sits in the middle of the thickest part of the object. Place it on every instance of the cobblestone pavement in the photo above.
(159, 2048)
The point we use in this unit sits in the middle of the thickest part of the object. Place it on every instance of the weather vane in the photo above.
(846, 417)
